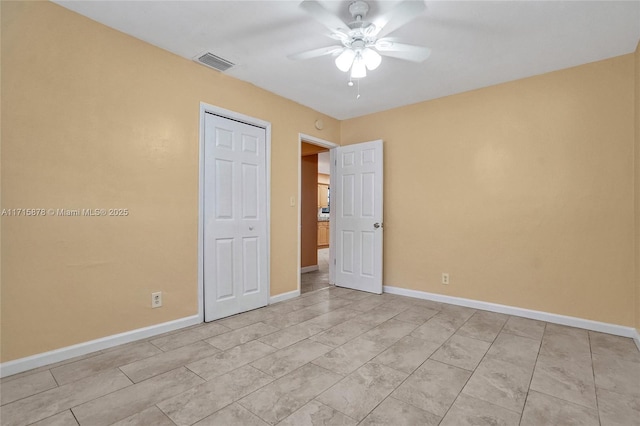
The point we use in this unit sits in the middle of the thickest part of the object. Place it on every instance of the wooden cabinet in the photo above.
(323, 234)
(323, 195)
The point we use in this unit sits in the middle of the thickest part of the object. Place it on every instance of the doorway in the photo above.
(315, 215)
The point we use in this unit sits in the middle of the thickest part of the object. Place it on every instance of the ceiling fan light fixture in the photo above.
(359, 69)
(345, 59)
(372, 59)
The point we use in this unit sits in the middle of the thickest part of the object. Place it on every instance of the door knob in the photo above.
(251, 228)
(377, 225)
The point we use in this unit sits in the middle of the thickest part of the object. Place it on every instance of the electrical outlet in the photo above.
(156, 299)
(445, 278)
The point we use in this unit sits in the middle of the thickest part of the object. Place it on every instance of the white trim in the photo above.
(34, 361)
(311, 268)
(302, 137)
(284, 296)
(602, 327)
(204, 108)
(636, 339)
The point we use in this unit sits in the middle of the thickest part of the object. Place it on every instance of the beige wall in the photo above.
(309, 210)
(522, 192)
(92, 118)
(637, 184)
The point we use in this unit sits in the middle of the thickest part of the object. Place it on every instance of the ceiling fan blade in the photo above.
(408, 52)
(322, 15)
(398, 16)
(314, 53)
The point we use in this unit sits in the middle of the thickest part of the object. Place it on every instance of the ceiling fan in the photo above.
(363, 41)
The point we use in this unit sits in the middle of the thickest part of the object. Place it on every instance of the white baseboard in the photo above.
(284, 296)
(34, 361)
(602, 327)
(311, 268)
(636, 339)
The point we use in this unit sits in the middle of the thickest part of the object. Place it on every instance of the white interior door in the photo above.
(235, 217)
(358, 216)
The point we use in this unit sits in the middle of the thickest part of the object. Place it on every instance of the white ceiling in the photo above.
(474, 44)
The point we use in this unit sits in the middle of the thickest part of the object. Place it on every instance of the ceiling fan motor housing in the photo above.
(358, 8)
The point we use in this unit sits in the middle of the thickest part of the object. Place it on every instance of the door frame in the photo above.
(302, 137)
(231, 115)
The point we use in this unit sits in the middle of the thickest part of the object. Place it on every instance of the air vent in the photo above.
(215, 62)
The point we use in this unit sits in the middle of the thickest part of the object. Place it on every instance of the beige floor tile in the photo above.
(329, 319)
(24, 374)
(395, 412)
(362, 353)
(292, 318)
(287, 394)
(61, 419)
(342, 333)
(133, 399)
(406, 354)
(433, 387)
(500, 383)
(286, 337)
(367, 303)
(361, 391)
(428, 304)
(565, 342)
(389, 332)
(242, 335)
(437, 330)
(356, 296)
(379, 315)
(53, 401)
(203, 400)
(141, 370)
(515, 350)
(286, 360)
(151, 416)
(224, 362)
(524, 327)
(315, 413)
(617, 375)
(290, 335)
(463, 313)
(26, 386)
(618, 410)
(350, 356)
(416, 316)
(247, 318)
(185, 338)
(355, 353)
(614, 346)
(571, 380)
(541, 409)
(329, 305)
(469, 411)
(232, 415)
(463, 352)
(77, 370)
(483, 325)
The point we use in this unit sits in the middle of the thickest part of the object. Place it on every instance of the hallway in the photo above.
(316, 280)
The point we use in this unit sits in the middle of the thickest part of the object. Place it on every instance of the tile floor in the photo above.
(341, 357)
(316, 280)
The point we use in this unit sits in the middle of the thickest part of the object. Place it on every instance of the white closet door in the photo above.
(235, 224)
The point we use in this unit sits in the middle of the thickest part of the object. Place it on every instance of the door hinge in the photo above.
(334, 260)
